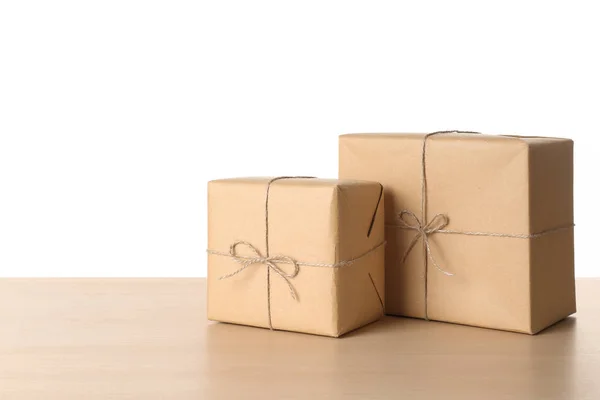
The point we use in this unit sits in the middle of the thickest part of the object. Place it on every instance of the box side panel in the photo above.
(360, 285)
(394, 162)
(552, 254)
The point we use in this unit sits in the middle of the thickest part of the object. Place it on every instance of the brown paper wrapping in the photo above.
(483, 183)
(312, 221)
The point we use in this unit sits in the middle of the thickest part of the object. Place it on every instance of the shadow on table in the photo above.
(399, 324)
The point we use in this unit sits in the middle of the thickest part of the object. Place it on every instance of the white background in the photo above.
(114, 114)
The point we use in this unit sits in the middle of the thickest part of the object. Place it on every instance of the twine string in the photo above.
(339, 264)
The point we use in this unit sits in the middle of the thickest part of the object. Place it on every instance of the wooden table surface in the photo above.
(149, 339)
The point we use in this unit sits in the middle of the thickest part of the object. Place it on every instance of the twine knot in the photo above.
(409, 220)
(439, 221)
(271, 262)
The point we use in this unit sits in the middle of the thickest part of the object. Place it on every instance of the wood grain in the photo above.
(149, 339)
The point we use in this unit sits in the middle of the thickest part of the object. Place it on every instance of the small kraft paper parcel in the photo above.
(296, 253)
(479, 228)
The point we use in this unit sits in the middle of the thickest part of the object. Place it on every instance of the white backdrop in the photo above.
(114, 114)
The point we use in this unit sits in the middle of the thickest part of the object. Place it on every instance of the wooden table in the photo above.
(149, 339)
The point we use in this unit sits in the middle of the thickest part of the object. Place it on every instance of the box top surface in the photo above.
(517, 139)
(304, 182)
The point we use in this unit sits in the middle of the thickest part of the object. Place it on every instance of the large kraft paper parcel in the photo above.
(495, 248)
(296, 254)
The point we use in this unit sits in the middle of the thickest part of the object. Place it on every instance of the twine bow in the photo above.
(409, 220)
(271, 263)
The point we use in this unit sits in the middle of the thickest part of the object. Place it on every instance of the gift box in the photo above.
(296, 254)
(479, 227)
